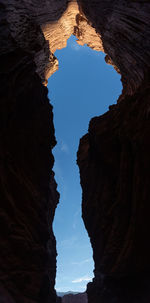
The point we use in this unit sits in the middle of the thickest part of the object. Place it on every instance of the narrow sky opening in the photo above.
(82, 88)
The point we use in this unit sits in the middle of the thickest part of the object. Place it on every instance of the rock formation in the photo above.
(124, 29)
(78, 298)
(30, 33)
(115, 152)
(28, 195)
(27, 186)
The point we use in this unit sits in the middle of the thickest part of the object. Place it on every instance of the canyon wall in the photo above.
(28, 195)
(114, 160)
(115, 172)
(115, 152)
(125, 33)
(30, 32)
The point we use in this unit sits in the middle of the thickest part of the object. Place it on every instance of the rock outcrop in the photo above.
(115, 152)
(125, 34)
(78, 298)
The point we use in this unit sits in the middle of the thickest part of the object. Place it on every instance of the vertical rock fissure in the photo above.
(30, 33)
(78, 65)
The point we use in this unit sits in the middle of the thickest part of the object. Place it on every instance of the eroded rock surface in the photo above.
(72, 22)
(27, 187)
(125, 33)
(28, 195)
(115, 172)
(114, 160)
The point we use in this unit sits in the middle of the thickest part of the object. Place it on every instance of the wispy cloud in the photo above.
(67, 243)
(64, 147)
(75, 218)
(82, 262)
(82, 279)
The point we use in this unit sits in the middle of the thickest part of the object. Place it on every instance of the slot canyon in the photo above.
(113, 157)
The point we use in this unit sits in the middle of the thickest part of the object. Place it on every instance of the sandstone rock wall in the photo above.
(27, 187)
(114, 160)
(125, 33)
(28, 195)
(115, 205)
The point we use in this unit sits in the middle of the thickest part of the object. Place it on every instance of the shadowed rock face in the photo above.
(27, 187)
(115, 208)
(113, 157)
(114, 161)
(28, 195)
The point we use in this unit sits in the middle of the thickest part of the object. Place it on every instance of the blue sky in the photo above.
(82, 88)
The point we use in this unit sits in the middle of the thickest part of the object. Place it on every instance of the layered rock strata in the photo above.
(125, 34)
(72, 22)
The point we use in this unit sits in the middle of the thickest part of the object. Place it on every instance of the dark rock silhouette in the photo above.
(115, 152)
(114, 160)
(78, 298)
(113, 157)
(27, 186)
(28, 195)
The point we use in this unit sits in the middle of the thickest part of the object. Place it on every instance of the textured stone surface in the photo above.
(21, 21)
(27, 188)
(71, 22)
(57, 33)
(114, 159)
(115, 172)
(125, 33)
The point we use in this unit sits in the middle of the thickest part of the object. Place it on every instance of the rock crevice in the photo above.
(115, 151)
